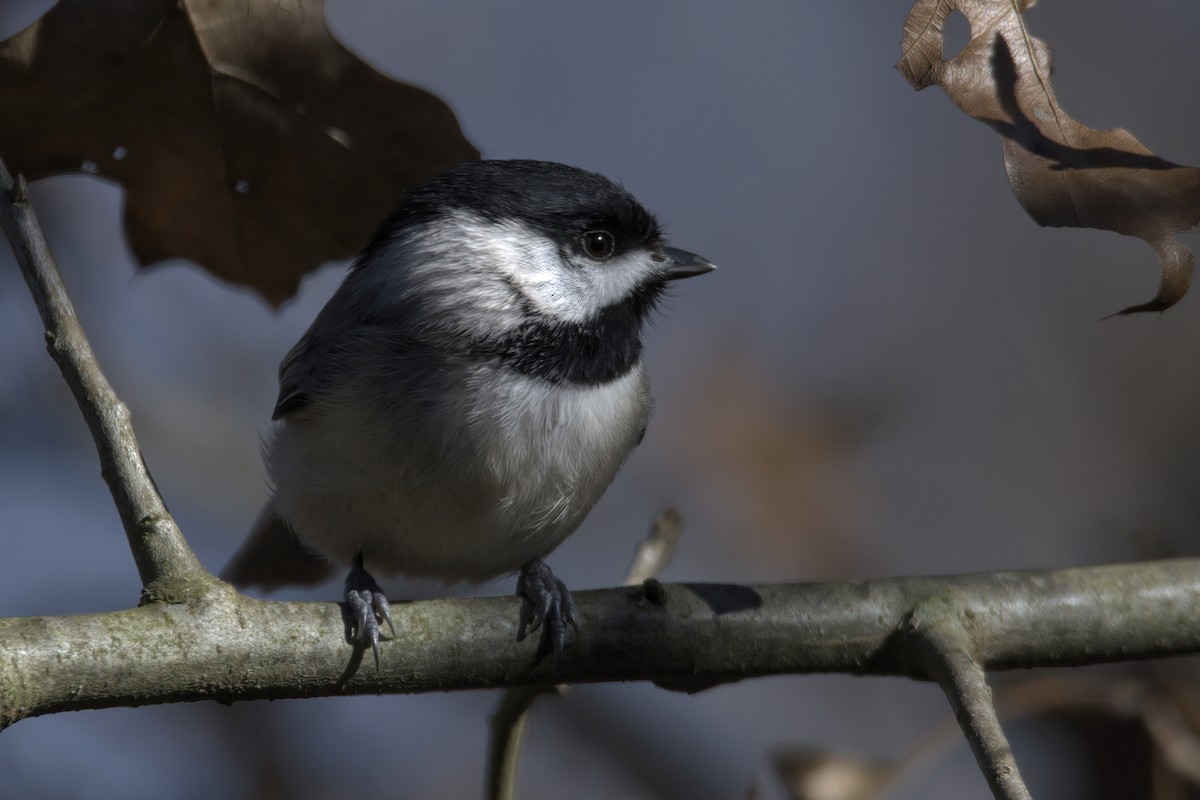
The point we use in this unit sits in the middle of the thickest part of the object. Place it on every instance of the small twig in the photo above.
(168, 568)
(656, 549)
(508, 731)
(512, 714)
(942, 648)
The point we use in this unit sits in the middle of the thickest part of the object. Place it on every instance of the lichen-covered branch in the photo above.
(227, 647)
(168, 568)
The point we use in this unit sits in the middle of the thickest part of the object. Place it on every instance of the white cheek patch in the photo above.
(458, 272)
(571, 288)
(509, 253)
(551, 285)
(613, 280)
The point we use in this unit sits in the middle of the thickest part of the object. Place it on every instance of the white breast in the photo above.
(463, 485)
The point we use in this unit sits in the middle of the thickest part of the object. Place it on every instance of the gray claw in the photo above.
(547, 600)
(369, 606)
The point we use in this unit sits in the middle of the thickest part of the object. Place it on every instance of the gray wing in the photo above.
(316, 360)
(298, 376)
(343, 343)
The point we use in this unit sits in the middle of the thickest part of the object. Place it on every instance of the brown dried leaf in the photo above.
(247, 138)
(1063, 173)
(810, 775)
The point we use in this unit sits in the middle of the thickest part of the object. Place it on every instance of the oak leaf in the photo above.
(1063, 173)
(247, 138)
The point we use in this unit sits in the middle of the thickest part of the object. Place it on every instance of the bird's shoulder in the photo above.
(328, 357)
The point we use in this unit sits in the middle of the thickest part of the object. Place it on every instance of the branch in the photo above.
(689, 637)
(657, 549)
(943, 649)
(507, 734)
(168, 568)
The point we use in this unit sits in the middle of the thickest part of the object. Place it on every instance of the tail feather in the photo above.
(272, 557)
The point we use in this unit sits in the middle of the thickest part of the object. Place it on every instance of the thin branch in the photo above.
(656, 550)
(512, 714)
(507, 734)
(168, 568)
(943, 648)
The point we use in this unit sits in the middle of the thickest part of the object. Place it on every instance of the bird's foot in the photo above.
(546, 600)
(368, 607)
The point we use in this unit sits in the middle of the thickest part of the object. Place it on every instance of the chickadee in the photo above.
(468, 393)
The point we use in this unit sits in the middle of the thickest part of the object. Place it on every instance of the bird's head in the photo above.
(509, 251)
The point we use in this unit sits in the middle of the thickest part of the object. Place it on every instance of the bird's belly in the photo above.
(498, 478)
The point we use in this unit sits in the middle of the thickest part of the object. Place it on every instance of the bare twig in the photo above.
(508, 732)
(512, 714)
(656, 550)
(944, 649)
(168, 568)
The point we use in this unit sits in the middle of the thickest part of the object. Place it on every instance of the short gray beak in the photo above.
(682, 264)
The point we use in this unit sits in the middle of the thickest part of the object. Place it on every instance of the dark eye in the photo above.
(598, 244)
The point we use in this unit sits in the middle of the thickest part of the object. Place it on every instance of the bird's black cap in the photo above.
(557, 200)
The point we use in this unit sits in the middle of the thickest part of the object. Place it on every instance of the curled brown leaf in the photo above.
(1064, 174)
(247, 138)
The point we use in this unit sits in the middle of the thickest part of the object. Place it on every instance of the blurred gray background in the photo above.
(893, 372)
